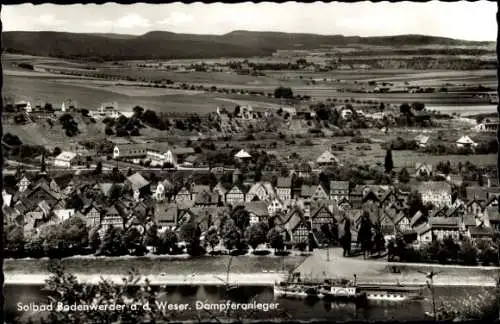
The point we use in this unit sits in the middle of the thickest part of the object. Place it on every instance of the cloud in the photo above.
(132, 21)
(50, 20)
(99, 24)
(176, 18)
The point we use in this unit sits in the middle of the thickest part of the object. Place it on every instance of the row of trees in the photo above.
(447, 251)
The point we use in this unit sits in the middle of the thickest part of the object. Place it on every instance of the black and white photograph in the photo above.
(250, 162)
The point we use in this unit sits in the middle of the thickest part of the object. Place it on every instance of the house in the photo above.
(321, 214)
(7, 198)
(66, 160)
(486, 127)
(476, 193)
(183, 195)
(202, 217)
(401, 223)
(138, 150)
(23, 184)
(296, 228)
(242, 155)
(422, 140)
(327, 158)
(206, 199)
(339, 190)
(166, 216)
(112, 217)
(63, 214)
(313, 192)
(480, 233)
(417, 220)
(164, 189)
(493, 217)
(198, 189)
(220, 190)
(260, 191)
(444, 227)
(423, 170)
(140, 186)
(436, 192)
(236, 195)
(258, 211)
(466, 142)
(93, 217)
(284, 188)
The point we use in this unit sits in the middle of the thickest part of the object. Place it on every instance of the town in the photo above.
(156, 197)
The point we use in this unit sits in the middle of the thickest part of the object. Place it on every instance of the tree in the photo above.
(418, 106)
(237, 110)
(108, 131)
(231, 235)
(138, 110)
(190, 233)
(98, 168)
(168, 242)
(241, 218)
(133, 242)
(415, 203)
(388, 163)
(365, 233)
(256, 235)
(212, 237)
(275, 240)
(112, 244)
(404, 108)
(283, 92)
(94, 240)
(14, 240)
(404, 176)
(151, 238)
(57, 151)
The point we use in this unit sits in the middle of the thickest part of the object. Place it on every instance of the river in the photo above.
(296, 309)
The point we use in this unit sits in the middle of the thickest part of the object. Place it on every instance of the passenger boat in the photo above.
(339, 291)
(296, 291)
(392, 293)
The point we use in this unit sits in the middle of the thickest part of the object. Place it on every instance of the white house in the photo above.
(327, 157)
(466, 141)
(65, 159)
(422, 140)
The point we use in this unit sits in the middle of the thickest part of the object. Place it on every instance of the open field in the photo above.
(47, 90)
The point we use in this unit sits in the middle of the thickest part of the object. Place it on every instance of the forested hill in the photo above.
(167, 45)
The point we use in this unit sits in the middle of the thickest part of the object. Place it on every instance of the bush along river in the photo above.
(193, 298)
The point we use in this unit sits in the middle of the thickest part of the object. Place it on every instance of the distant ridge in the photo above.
(168, 45)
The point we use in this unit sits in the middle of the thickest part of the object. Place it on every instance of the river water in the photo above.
(296, 309)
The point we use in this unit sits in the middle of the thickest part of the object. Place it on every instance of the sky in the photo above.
(461, 20)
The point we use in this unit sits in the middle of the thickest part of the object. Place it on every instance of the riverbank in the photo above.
(155, 265)
(322, 265)
(253, 279)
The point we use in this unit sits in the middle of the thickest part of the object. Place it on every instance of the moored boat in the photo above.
(343, 292)
(392, 293)
(298, 291)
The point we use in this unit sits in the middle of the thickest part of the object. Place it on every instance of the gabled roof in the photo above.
(106, 188)
(422, 139)
(258, 208)
(166, 213)
(327, 157)
(434, 186)
(469, 220)
(418, 216)
(111, 211)
(426, 166)
(493, 213)
(242, 154)
(206, 198)
(476, 193)
(236, 187)
(444, 221)
(339, 185)
(137, 181)
(183, 150)
(480, 231)
(284, 182)
(66, 156)
(465, 140)
(423, 228)
(200, 188)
